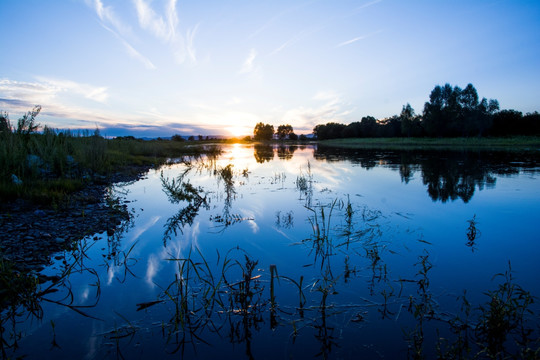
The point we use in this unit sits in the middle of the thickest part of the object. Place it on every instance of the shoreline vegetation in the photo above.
(45, 165)
(460, 143)
(46, 168)
(56, 187)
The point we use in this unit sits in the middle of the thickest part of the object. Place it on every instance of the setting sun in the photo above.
(239, 131)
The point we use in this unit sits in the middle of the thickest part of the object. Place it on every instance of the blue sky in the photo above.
(160, 67)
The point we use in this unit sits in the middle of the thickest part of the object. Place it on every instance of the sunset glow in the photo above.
(156, 68)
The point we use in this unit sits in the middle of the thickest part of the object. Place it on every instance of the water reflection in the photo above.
(285, 152)
(448, 175)
(267, 152)
(263, 153)
(329, 272)
(180, 191)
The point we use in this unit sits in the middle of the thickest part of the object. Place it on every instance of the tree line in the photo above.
(265, 132)
(450, 112)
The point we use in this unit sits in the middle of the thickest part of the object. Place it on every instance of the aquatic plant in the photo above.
(286, 220)
(505, 315)
(51, 165)
(304, 183)
(177, 191)
(472, 233)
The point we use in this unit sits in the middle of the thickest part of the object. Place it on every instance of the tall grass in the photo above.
(48, 165)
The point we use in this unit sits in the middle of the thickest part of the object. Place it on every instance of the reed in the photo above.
(472, 233)
(47, 166)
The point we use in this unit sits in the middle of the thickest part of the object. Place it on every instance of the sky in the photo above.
(152, 68)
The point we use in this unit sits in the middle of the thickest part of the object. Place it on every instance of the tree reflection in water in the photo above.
(178, 190)
(448, 175)
(263, 153)
(347, 281)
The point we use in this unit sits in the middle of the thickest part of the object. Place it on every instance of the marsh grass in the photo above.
(472, 233)
(304, 184)
(233, 297)
(502, 323)
(22, 294)
(46, 167)
(204, 300)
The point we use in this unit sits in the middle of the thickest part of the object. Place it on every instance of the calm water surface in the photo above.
(297, 252)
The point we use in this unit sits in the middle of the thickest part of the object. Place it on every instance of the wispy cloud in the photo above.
(248, 65)
(368, 4)
(301, 35)
(348, 42)
(165, 26)
(276, 17)
(107, 15)
(112, 23)
(19, 97)
(95, 93)
(152, 268)
(22, 92)
(60, 99)
(190, 37)
(137, 55)
(330, 108)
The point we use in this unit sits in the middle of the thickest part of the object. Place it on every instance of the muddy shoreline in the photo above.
(31, 235)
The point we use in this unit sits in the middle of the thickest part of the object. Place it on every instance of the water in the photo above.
(299, 252)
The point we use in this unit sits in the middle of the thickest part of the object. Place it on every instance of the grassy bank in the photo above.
(473, 143)
(46, 167)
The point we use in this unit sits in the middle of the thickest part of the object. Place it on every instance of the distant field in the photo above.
(503, 143)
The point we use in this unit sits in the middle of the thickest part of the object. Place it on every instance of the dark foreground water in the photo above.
(299, 252)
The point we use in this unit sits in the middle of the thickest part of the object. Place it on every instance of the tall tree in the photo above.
(452, 111)
(329, 130)
(368, 126)
(407, 120)
(263, 132)
(284, 131)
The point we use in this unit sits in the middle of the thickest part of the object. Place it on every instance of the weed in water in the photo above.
(472, 233)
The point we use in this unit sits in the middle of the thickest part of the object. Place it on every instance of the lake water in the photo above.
(297, 252)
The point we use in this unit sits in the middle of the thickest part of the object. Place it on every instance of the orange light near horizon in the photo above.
(238, 131)
(240, 156)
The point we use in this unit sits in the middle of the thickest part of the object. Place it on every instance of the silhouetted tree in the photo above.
(328, 131)
(506, 122)
(284, 131)
(263, 132)
(438, 112)
(532, 123)
(390, 127)
(411, 124)
(368, 126)
(452, 111)
(482, 119)
(353, 130)
(5, 124)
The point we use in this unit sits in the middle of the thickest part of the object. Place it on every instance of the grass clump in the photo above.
(45, 167)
